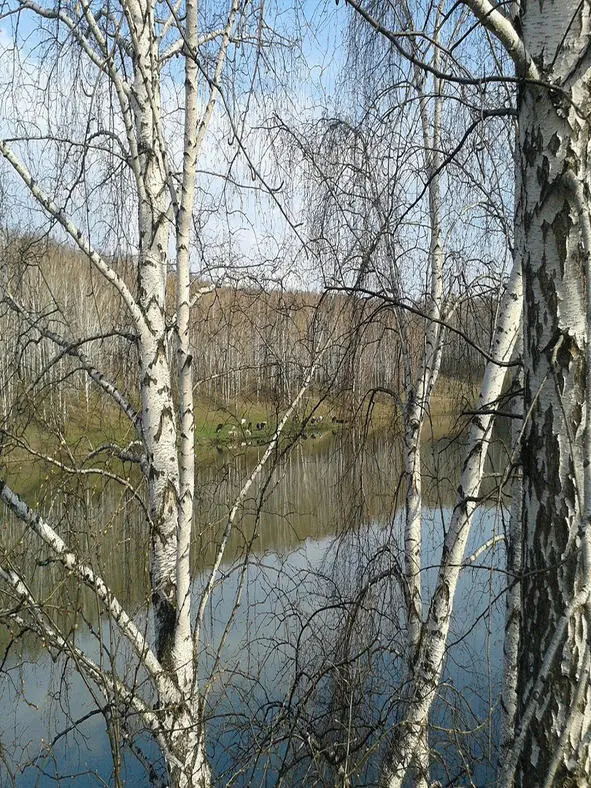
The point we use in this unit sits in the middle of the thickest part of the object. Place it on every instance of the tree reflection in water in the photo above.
(303, 663)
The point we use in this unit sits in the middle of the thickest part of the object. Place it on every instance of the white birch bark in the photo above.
(420, 387)
(158, 411)
(195, 128)
(553, 149)
(190, 725)
(183, 655)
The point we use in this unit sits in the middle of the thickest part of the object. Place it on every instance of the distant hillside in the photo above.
(248, 345)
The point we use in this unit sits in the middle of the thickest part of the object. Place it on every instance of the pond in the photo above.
(305, 629)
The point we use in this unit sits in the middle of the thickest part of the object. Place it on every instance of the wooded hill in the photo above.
(251, 347)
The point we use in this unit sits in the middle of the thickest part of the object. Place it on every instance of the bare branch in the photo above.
(71, 562)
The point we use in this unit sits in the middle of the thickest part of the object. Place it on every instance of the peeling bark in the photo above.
(553, 147)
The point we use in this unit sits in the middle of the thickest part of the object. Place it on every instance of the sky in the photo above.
(251, 225)
(38, 99)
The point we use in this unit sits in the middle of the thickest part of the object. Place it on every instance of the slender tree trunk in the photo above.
(419, 394)
(183, 651)
(184, 748)
(430, 658)
(158, 412)
(513, 599)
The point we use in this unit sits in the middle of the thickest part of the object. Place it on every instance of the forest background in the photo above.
(230, 231)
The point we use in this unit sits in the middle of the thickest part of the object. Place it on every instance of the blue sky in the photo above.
(242, 228)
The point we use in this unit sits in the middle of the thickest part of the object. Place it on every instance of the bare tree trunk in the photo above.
(511, 641)
(420, 390)
(431, 654)
(552, 239)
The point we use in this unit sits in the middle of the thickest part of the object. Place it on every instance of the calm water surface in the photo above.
(307, 542)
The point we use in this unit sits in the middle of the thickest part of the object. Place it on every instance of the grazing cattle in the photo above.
(219, 428)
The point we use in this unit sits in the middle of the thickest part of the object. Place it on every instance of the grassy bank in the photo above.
(84, 433)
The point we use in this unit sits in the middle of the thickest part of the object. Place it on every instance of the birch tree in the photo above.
(419, 374)
(381, 218)
(549, 46)
(137, 55)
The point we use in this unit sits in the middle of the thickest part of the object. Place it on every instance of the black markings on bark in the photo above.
(554, 144)
(165, 619)
(165, 413)
(561, 228)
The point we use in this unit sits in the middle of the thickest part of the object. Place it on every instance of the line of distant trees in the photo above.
(248, 345)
